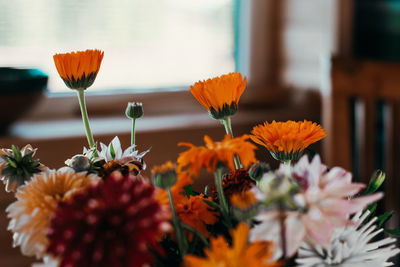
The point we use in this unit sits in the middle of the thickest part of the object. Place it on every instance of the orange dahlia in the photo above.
(194, 212)
(36, 202)
(220, 253)
(220, 95)
(79, 69)
(287, 140)
(212, 153)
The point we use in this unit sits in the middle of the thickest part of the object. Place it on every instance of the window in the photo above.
(149, 44)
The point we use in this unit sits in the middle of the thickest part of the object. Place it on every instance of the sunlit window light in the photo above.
(152, 44)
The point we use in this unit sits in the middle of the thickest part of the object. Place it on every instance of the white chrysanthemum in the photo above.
(114, 152)
(351, 246)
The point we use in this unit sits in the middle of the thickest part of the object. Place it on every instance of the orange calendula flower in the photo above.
(220, 95)
(79, 69)
(255, 254)
(194, 212)
(212, 153)
(287, 140)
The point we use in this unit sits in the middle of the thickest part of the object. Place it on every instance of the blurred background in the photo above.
(330, 61)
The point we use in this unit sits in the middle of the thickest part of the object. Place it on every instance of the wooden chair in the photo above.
(361, 112)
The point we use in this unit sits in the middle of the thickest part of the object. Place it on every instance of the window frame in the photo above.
(257, 39)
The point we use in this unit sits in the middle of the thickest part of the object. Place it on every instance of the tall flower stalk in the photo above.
(85, 119)
(78, 70)
(221, 196)
(134, 111)
(179, 234)
(228, 129)
(165, 177)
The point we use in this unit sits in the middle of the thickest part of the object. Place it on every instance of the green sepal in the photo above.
(284, 157)
(226, 111)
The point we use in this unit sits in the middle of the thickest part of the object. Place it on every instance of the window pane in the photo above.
(147, 43)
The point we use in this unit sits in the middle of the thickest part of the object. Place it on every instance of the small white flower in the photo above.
(114, 152)
(351, 246)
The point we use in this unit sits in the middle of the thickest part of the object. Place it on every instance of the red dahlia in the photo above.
(113, 223)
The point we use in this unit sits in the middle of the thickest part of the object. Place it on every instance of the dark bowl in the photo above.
(20, 90)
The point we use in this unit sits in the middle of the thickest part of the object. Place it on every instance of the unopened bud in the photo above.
(164, 176)
(134, 110)
(257, 170)
(377, 179)
(79, 163)
(275, 186)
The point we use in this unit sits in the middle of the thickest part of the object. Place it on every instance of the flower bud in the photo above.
(164, 176)
(377, 179)
(134, 110)
(275, 186)
(257, 170)
(79, 163)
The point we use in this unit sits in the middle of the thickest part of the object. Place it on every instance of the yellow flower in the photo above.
(287, 140)
(36, 201)
(220, 95)
(79, 69)
(256, 254)
(213, 153)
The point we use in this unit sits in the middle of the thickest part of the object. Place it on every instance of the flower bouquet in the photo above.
(99, 210)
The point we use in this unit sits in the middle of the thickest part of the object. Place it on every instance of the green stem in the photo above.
(222, 200)
(194, 231)
(180, 236)
(133, 134)
(282, 218)
(85, 119)
(228, 129)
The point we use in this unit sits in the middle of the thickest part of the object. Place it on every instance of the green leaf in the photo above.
(372, 209)
(189, 191)
(16, 153)
(12, 163)
(382, 219)
(212, 204)
(395, 232)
